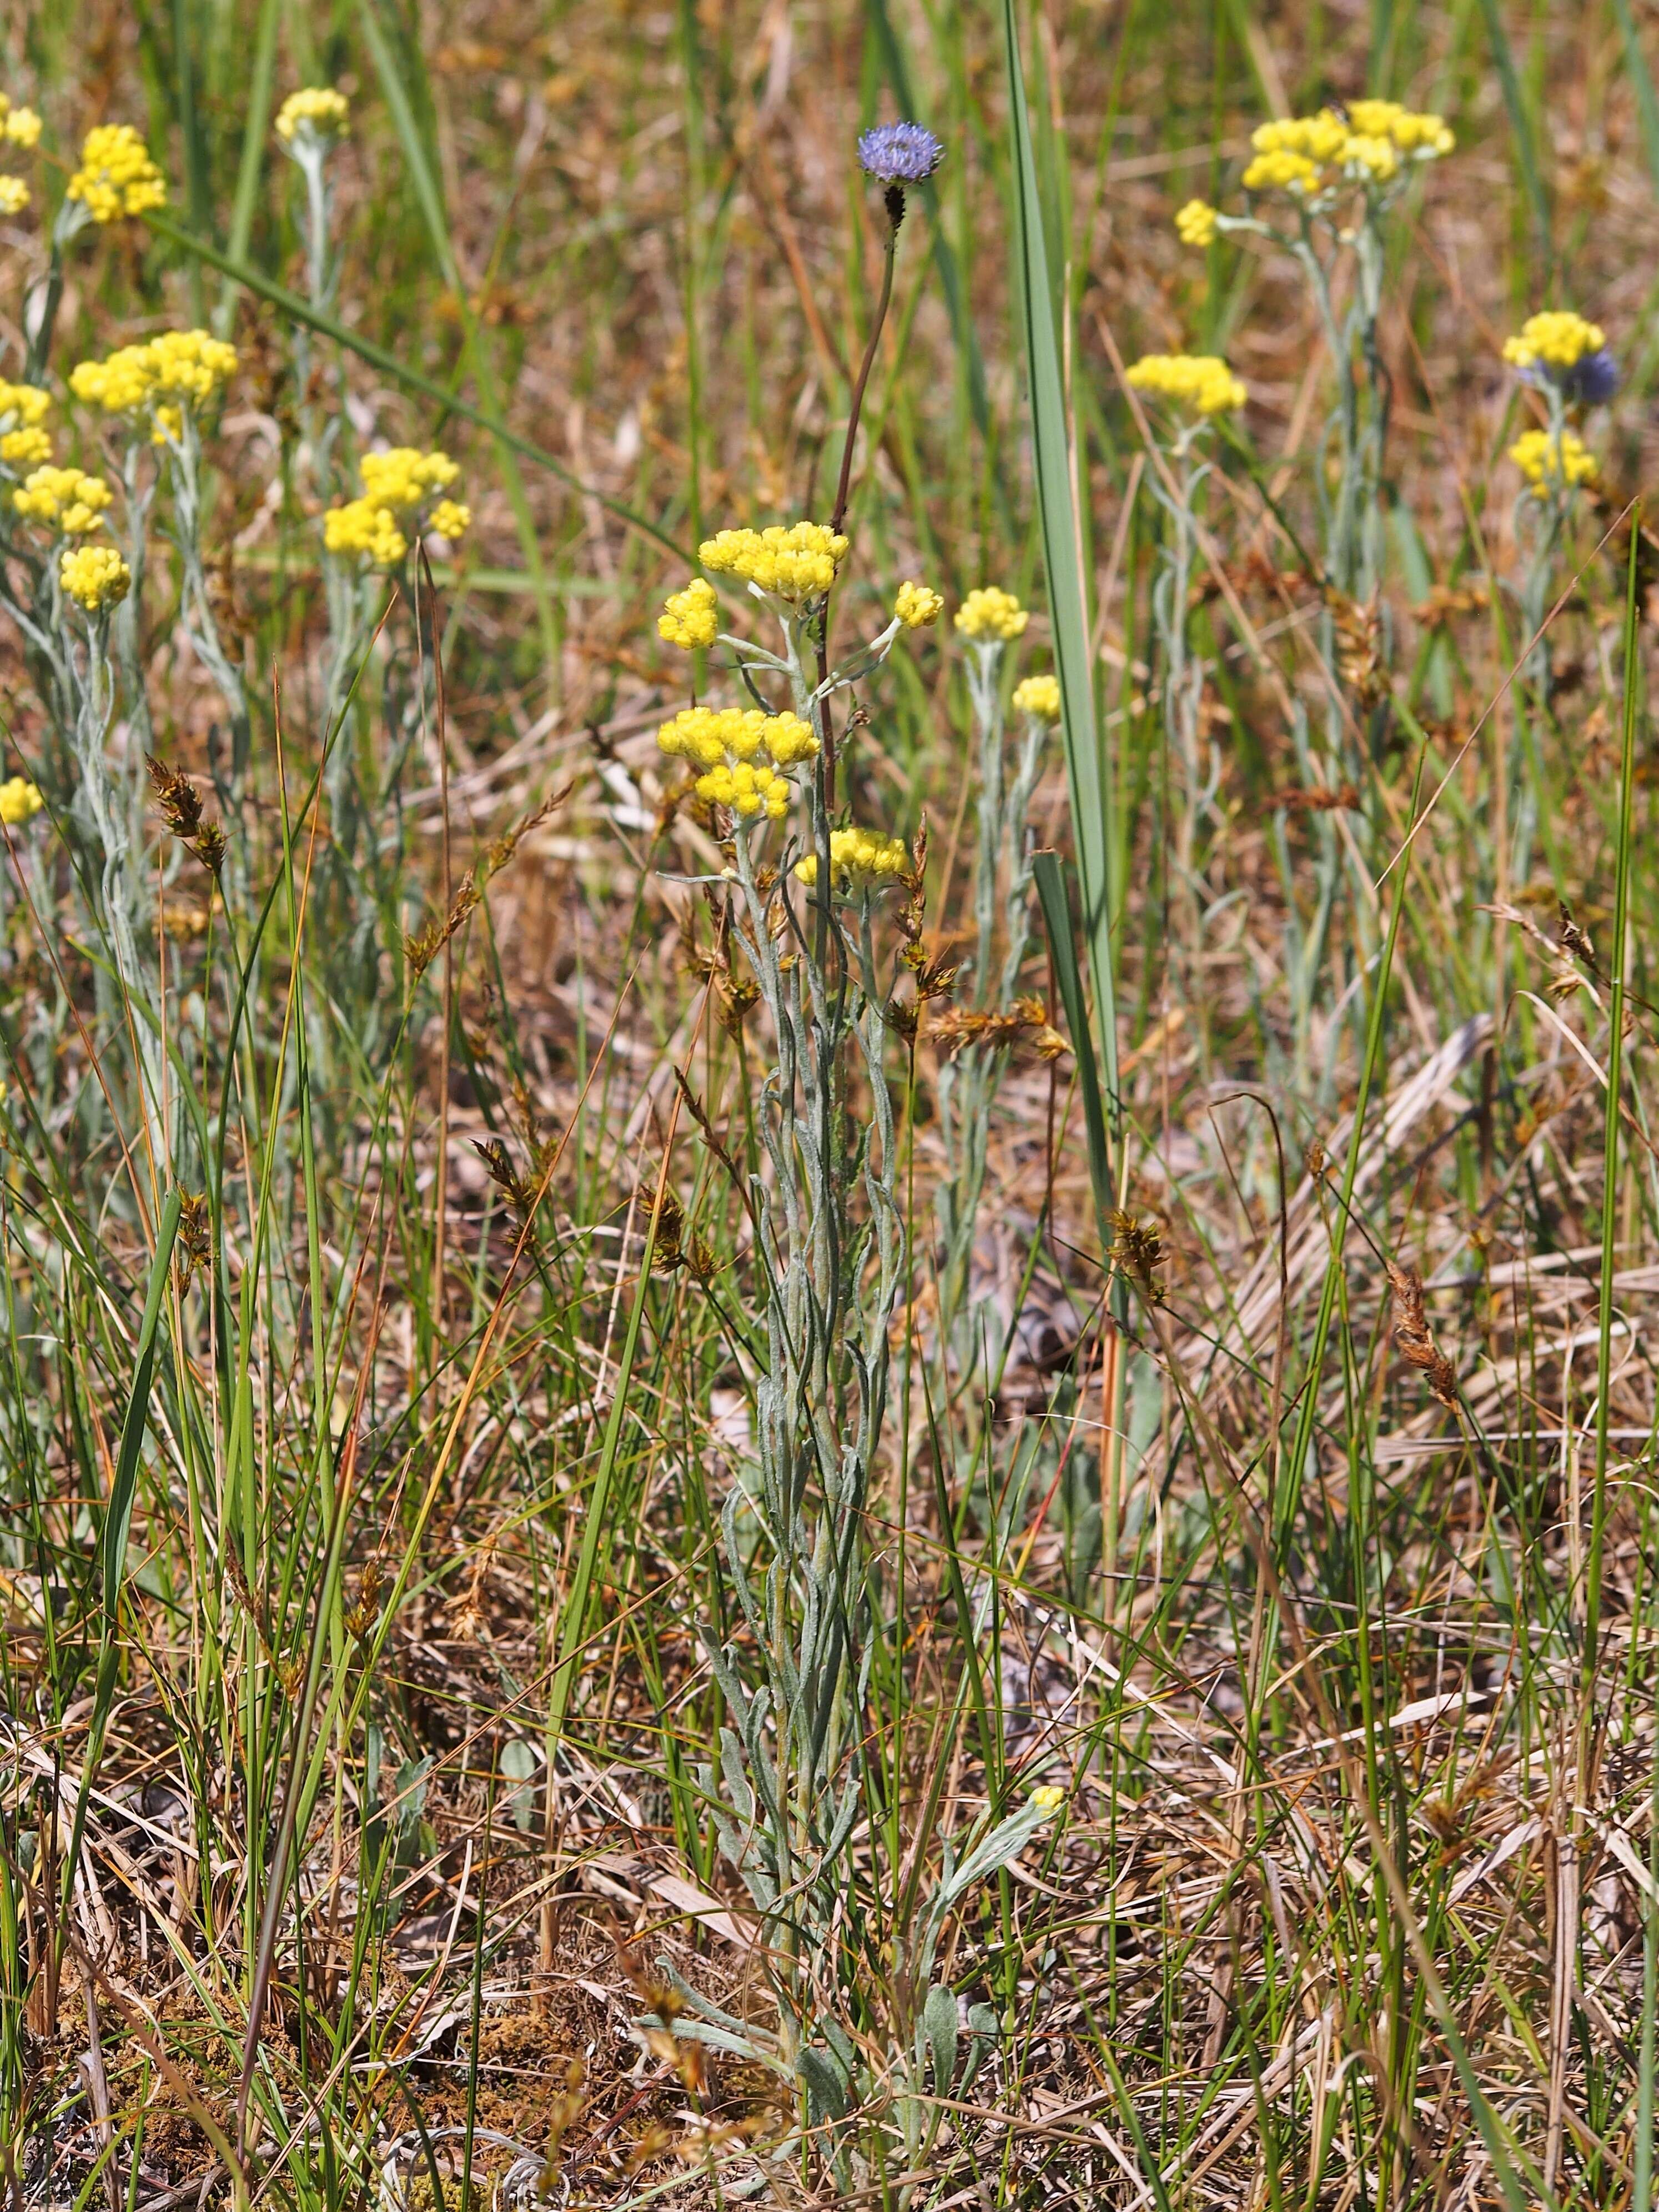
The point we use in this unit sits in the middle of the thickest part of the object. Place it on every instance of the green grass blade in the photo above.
(1593, 1561)
(1641, 84)
(1087, 770)
(1526, 147)
(251, 165)
(1049, 872)
(117, 1520)
(572, 1627)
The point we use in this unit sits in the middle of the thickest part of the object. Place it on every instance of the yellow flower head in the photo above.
(1282, 171)
(1046, 1798)
(23, 403)
(918, 606)
(316, 109)
(22, 127)
(451, 519)
(189, 365)
(1308, 154)
(120, 386)
(94, 576)
(71, 500)
(22, 449)
(1195, 223)
(367, 530)
(20, 801)
(742, 753)
(179, 369)
(991, 616)
(397, 485)
(14, 196)
(689, 619)
(1553, 342)
(404, 478)
(1039, 697)
(1195, 383)
(1377, 158)
(1417, 137)
(116, 176)
(796, 564)
(1551, 465)
(23, 407)
(859, 860)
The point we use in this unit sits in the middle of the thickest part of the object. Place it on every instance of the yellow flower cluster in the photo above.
(689, 619)
(1039, 697)
(794, 564)
(70, 500)
(1308, 153)
(1420, 138)
(991, 616)
(179, 369)
(918, 606)
(116, 176)
(1557, 341)
(402, 476)
(859, 860)
(95, 577)
(1548, 465)
(19, 127)
(1195, 223)
(14, 196)
(1199, 383)
(1046, 1798)
(20, 801)
(741, 751)
(396, 484)
(317, 108)
(361, 527)
(23, 410)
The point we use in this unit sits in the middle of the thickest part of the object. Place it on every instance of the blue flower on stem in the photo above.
(900, 153)
(1592, 380)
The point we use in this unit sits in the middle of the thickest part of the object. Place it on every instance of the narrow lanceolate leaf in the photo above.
(118, 1521)
(1050, 870)
(1038, 300)
(1526, 149)
(1641, 83)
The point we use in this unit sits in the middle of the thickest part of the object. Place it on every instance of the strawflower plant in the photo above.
(811, 901)
(1324, 187)
(1187, 395)
(1567, 361)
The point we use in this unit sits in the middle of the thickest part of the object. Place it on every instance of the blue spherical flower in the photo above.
(900, 153)
(1593, 379)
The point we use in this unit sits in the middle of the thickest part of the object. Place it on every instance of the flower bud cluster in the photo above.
(918, 606)
(23, 412)
(859, 860)
(991, 616)
(795, 564)
(116, 176)
(94, 576)
(689, 619)
(315, 111)
(72, 501)
(398, 484)
(1551, 462)
(742, 753)
(1195, 383)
